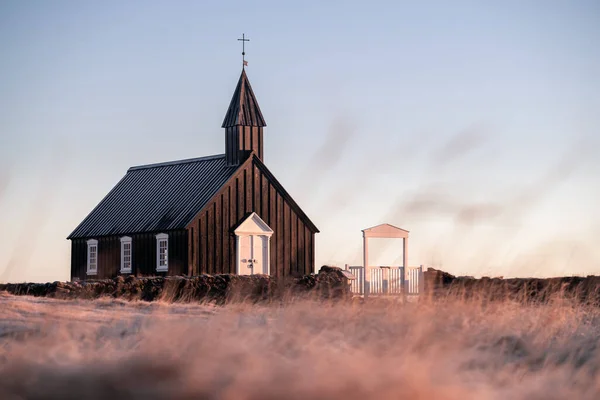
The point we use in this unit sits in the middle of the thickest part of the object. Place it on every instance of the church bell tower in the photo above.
(243, 124)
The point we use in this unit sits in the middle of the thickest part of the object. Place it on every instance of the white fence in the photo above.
(388, 280)
(357, 284)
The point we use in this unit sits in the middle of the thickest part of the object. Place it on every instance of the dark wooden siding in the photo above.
(240, 141)
(251, 190)
(143, 255)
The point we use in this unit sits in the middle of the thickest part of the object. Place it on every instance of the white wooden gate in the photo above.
(388, 280)
(414, 280)
(357, 284)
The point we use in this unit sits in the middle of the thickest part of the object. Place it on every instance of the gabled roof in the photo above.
(385, 231)
(156, 197)
(254, 225)
(243, 109)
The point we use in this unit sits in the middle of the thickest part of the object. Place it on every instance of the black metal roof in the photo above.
(156, 197)
(243, 109)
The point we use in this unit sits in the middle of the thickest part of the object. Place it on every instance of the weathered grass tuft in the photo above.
(443, 349)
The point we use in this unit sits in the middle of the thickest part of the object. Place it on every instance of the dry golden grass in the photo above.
(112, 349)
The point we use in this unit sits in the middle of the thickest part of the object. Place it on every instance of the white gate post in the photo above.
(406, 282)
(367, 274)
(405, 252)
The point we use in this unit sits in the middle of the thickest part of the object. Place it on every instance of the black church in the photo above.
(217, 214)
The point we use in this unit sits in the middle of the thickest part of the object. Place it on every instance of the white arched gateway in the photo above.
(386, 280)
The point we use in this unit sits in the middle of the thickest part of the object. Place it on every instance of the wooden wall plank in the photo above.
(264, 202)
(307, 244)
(294, 245)
(272, 207)
(312, 251)
(240, 133)
(273, 225)
(287, 237)
(256, 190)
(226, 230)
(101, 254)
(232, 221)
(74, 259)
(203, 244)
(247, 138)
(138, 259)
(196, 260)
(240, 196)
(190, 249)
(248, 182)
(114, 257)
(210, 234)
(301, 259)
(77, 262)
(279, 236)
(198, 245)
(260, 145)
(218, 236)
(178, 254)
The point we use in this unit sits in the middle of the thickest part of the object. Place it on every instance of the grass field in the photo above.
(112, 349)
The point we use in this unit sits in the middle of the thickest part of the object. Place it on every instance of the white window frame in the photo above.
(162, 237)
(126, 240)
(92, 269)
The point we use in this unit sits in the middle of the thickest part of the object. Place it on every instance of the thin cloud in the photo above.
(358, 180)
(340, 134)
(460, 145)
(37, 218)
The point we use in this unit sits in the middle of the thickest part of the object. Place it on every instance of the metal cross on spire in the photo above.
(244, 40)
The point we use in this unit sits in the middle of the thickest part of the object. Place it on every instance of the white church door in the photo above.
(245, 255)
(253, 237)
(253, 254)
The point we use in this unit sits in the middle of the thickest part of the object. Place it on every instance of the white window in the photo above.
(92, 257)
(125, 255)
(162, 252)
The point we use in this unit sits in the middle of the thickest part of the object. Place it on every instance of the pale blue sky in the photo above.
(475, 125)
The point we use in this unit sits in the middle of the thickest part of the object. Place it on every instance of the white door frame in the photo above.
(253, 226)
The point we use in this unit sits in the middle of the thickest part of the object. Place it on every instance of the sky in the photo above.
(474, 125)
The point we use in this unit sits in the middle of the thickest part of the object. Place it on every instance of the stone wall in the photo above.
(329, 283)
(583, 290)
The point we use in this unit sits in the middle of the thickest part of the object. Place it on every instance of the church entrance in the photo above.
(253, 254)
(253, 237)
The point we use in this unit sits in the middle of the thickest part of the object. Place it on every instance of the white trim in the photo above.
(162, 237)
(385, 231)
(92, 269)
(126, 240)
(268, 260)
(237, 254)
(256, 227)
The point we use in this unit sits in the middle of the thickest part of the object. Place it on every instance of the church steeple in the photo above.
(243, 124)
